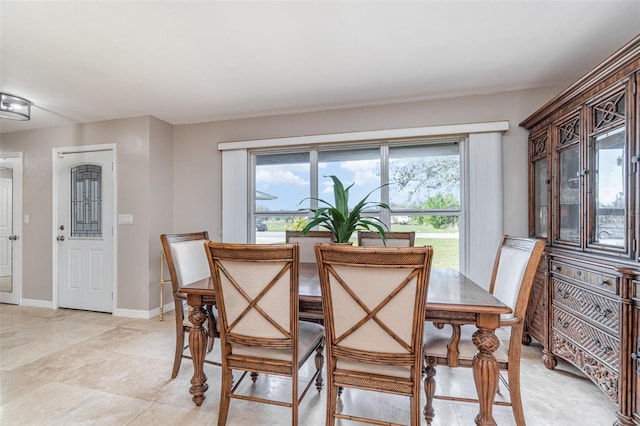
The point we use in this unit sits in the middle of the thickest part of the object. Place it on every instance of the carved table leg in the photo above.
(485, 373)
(198, 346)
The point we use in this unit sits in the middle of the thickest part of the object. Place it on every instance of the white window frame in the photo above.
(481, 183)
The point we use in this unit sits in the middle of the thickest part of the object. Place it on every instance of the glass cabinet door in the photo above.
(609, 189)
(569, 177)
(541, 200)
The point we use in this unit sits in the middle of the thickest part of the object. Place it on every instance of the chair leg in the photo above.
(211, 322)
(414, 402)
(294, 397)
(225, 390)
(429, 388)
(513, 374)
(332, 400)
(177, 358)
(319, 366)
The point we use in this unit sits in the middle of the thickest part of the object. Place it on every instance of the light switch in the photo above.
(26, 218)
(125, 219)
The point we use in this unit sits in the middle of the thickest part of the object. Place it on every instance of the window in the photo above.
(424, 188)
(481, 183)
(86, 201)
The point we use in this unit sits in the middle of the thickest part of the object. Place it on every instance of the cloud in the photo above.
(364, 171)
(266, 175)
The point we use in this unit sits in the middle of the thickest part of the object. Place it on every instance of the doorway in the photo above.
(84, 246)
(10, 228)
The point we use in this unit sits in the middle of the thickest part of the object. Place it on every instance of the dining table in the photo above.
(451, 298)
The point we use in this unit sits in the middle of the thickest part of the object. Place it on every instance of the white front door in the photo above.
(10, 243)
(84, 234)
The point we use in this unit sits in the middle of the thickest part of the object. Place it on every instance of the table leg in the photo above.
(486, 373)
(197, 346)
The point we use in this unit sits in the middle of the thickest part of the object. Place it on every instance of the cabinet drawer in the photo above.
(602, 345)
(596, 307)
(599, 280)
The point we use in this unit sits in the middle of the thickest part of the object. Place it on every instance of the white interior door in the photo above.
(10, 243)
(84, 231)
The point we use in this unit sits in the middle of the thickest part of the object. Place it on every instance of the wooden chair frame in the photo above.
(221, 256)
(370, 238)
(179, 298)
(405, 353)
(535, 248)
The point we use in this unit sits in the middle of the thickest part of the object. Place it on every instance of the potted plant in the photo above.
(341, 221)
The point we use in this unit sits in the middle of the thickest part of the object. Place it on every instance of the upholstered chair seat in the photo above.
(438, 340)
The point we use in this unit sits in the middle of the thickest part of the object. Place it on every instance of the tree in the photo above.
(441, 202)
(421, 178)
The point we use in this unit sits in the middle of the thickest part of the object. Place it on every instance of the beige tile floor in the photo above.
(66, 367)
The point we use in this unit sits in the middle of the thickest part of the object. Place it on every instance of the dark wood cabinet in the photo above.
(584, 201)
(635, 354)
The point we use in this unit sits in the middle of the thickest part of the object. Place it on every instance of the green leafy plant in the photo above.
(440, 201)
(341, 221)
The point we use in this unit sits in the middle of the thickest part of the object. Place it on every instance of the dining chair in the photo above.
(393, 239)
(256, 288)
(374, 302)
(511, 281)
(187, 263)
(307, 241)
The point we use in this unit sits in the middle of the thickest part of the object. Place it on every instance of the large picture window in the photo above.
(419, 179)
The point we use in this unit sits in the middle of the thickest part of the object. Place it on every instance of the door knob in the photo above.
(60, 238)
(13, 237)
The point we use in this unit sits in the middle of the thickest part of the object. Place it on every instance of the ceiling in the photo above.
(189, 62)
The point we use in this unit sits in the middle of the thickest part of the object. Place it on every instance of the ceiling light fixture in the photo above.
(14, 107)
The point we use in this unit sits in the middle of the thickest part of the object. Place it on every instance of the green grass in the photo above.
(281, 226)
(395, 227)
(445, 251)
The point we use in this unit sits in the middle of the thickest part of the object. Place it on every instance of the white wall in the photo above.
(132, 138)
(160, 204)
(144, 158)
(198, 164)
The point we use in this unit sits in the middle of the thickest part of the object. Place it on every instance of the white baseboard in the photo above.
(166, 308)
(35, 303)
(133, 313)
(128, 313)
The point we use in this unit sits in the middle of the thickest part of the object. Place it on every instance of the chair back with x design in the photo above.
(374, 301)
(256, 288)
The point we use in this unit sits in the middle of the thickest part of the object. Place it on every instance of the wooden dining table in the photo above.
(452, 298)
